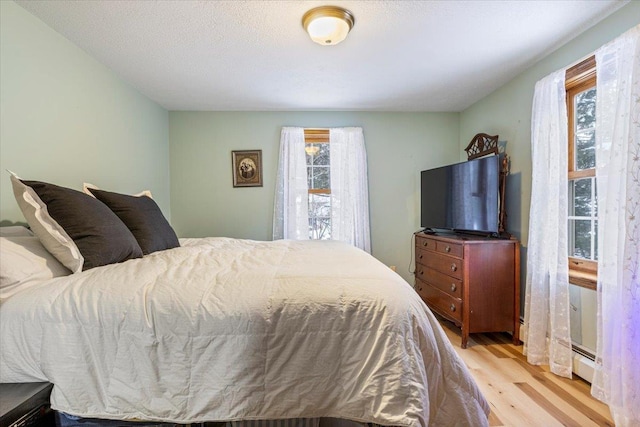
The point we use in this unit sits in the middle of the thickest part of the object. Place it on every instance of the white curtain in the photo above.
(291, 207)
(349, 187)
(546, 314)
(617, 376)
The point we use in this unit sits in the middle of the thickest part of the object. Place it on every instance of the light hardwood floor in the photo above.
(521, 394)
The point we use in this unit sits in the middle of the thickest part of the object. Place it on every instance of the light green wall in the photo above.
(507, 111)
(399, 146)
(67, 119)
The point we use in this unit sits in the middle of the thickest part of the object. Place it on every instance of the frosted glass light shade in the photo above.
(328, 25)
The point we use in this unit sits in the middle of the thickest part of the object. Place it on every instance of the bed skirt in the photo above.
(65, 420)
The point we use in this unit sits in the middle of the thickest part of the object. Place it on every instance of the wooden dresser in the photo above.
(472, 281)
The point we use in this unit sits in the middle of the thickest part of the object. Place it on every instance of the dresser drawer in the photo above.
(426, 243)
(444, 264)
(445, 283)
(422, 255)
(452, 249)
(441, 302)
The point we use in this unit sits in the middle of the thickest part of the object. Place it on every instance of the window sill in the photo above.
(583, 273)
(583, 279)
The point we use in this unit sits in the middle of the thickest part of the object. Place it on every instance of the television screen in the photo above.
(463, 196)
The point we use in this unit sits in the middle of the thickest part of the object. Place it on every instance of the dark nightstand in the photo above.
(25, 405)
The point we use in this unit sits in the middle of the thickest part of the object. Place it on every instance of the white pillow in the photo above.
(86, 186)
(15, 231)
(51, 234)
(25, 262)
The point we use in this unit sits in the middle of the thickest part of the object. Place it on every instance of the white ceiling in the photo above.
(255, 55)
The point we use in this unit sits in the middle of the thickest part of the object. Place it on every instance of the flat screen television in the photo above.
(462, 197)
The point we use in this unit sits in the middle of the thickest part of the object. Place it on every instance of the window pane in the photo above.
(595, 196)
(320, 177)
(580, 195)
(319, 216)
(310, 154)
(584, 129)
(580, 238)
(319, 205)
(312, 229)
(322, 158)
(586, 109)
(595, 237)
(321, 230)
(585, 149)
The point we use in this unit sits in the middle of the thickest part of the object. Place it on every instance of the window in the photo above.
(583, 209)
(319, 183)
(320, 197)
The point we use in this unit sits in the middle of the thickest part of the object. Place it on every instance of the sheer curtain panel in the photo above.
(617, 375)
(349, 187)
(546, 315)
(291, 207)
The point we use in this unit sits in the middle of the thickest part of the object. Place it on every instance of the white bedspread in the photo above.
(225, 329)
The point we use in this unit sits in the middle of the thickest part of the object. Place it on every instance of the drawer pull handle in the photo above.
(420, 256)
(454, 267)
(424, 243)
(453, 287)
(452, 308)
(421, 272)
(447, 249)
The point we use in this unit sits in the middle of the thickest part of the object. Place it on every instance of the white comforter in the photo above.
(224, 329)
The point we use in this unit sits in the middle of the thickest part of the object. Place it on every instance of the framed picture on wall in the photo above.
(247, 168)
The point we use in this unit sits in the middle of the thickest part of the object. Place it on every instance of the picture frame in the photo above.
(247, 168)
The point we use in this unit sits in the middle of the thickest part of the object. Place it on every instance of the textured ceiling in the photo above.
(255, 55)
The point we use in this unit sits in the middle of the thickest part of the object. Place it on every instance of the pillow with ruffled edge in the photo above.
(25, 262)
(143, 217)
(79, 231)
(52, 236)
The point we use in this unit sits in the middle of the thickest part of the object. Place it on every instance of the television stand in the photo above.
(473, 281)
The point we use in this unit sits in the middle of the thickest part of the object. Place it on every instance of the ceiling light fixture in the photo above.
(328, 25)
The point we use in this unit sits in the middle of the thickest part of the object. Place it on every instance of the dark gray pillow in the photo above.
(101, 237)
(144, 219)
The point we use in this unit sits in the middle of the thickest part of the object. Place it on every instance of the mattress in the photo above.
(224, 329)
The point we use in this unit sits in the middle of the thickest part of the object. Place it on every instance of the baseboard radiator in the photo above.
(583, 362)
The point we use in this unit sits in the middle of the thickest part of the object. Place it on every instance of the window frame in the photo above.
(317, 136)
(580, 77)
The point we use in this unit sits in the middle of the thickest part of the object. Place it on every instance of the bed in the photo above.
(220, 329)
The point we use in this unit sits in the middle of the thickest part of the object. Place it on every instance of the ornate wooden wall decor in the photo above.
(481, 145)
